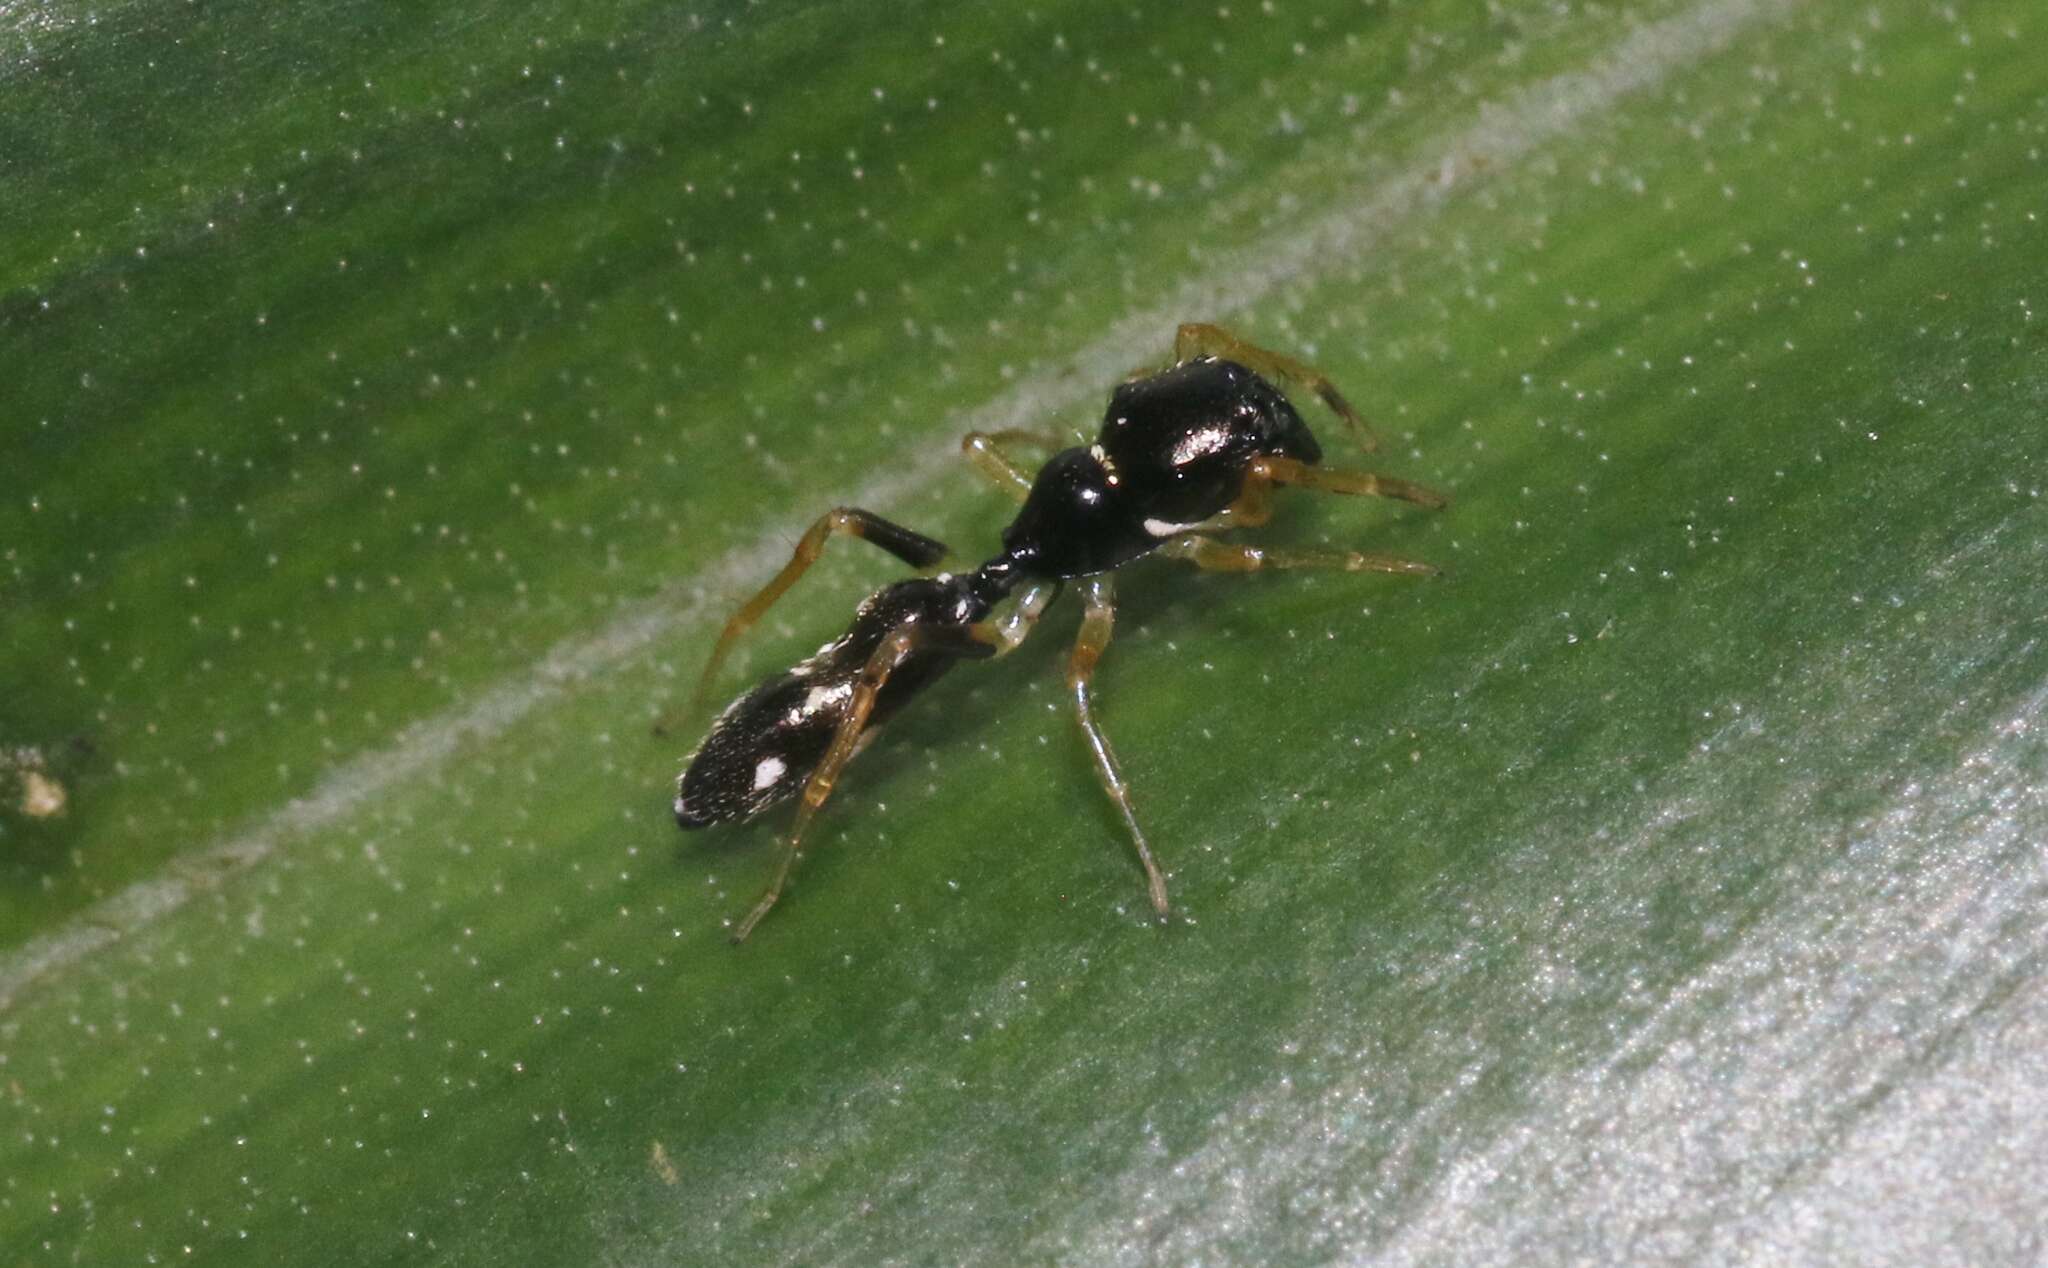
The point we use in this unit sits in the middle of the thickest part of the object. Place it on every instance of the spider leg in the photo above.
(1200, 339)
(1210, 555)
(1096, 624)
(911, 547)
(1006, 633)
(985, 451)
(981, 640)
(1254, 504)
(1292, 471)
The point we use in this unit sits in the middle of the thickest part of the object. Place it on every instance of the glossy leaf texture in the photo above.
(399, 398)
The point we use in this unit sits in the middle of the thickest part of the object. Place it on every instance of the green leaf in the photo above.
(400, 399)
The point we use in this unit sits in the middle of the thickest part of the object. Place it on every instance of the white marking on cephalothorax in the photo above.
(770, 770)
(1160, 528)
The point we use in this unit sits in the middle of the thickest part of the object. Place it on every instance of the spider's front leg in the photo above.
(1201, 339)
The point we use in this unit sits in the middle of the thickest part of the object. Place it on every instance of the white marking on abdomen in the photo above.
(1160, 528)
(818, 697)
(770, 770)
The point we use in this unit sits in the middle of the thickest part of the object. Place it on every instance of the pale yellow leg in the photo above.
(985, 451)
(895, 649)
(987, 638)
(1292, 471)
(1200, 339)
(1096, 624)
(1211, 555)
(913, 548)
(1254, 504)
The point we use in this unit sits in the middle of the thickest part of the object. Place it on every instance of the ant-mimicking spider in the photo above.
(1184, 453)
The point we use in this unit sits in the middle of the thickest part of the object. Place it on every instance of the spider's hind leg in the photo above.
(979, 641)
(912, 547)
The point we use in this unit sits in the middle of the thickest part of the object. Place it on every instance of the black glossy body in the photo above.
(1173, 452)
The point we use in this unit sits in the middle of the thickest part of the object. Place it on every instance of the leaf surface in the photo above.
(401, 399)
